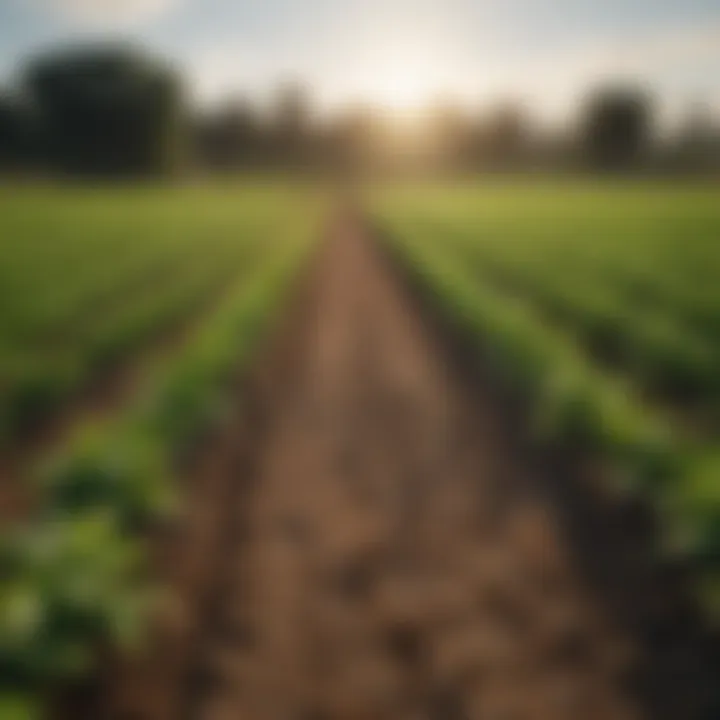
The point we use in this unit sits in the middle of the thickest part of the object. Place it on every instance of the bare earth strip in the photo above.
(393, 556)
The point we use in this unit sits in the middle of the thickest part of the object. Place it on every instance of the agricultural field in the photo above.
(88, 278)
(245, 472)
(598, 305)
(176, 282)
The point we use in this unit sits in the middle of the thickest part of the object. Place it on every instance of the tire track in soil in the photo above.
(392, 555)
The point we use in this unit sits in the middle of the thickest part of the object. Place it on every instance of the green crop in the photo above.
(74, 577)
(600, 305)
(88, 277)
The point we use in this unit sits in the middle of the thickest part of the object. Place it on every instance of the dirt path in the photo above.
(393, 557)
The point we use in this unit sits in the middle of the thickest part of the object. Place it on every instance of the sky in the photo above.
(397, 52)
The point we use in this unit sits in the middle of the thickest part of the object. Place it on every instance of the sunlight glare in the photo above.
(403, 90)
(408, 79)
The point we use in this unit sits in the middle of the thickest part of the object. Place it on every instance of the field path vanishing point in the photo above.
(393, 557)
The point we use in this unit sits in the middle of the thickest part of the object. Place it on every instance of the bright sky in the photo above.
(399, 52)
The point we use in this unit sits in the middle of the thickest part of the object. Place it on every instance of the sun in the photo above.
(403, 75)
(403, 89)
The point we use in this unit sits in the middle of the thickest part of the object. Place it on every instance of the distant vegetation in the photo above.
(117, 111)
(102, 112)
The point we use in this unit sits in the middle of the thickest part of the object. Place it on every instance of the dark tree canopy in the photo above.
(230, 137)
(17, 132)
(696, 147)
(107, 111)
(616, 127)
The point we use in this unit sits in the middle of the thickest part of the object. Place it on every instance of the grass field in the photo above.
(600, 305)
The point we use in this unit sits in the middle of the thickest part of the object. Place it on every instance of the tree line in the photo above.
(117, 111)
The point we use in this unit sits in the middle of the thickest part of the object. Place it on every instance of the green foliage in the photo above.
(600, 306)
(107, 111)
(74, 578)
(88, 277)
(126, 477)
(66, 584)
(17, 132)
(17, 706)
(617, 127)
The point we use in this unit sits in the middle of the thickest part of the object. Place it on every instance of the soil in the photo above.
(373, 539)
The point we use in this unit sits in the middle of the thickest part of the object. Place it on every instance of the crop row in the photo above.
(574, 401)
(85, 286)
(653, 248)
(75, 577)
(660, 351)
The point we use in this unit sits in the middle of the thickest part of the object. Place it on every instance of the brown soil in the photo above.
(377, 542)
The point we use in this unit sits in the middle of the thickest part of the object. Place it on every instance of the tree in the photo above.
(20, 144)
(14, 131)
(291, 136)
(448, 134)
(351, 140)
(231, 137)
(616, 127)
(505, 136)
(109, 111)
(498, 139)
(696, 148)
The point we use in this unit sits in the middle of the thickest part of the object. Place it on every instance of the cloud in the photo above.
(108, 12)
